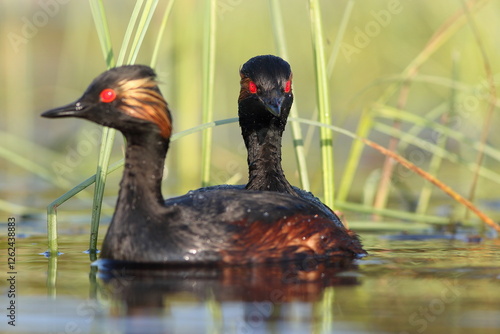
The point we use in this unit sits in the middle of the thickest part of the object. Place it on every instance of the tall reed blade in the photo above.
(435, 163)
(108, 137)
(52, 208)
(108, 134)
(33, 166)
(142, 27)
(161, 31)
(340, 37)
(364, 128)
(407, 164)
(420, 122)
(323, 102)
(492, 98)
(208, 87)
(298, 141)
(51, 281)
(442, 34)
(101, 24)
(427, 146)
(323, 310)
(128, 32)
(349, 171)
(383, 190)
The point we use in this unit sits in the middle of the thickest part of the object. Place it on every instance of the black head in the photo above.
(266, 81)
(126, 98)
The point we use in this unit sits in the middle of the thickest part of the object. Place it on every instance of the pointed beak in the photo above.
(73, 109)
(273, 103)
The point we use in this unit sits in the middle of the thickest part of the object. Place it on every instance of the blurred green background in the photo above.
(50, 52)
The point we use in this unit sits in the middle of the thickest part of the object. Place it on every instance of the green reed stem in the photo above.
(52, 208)
(417, 125)
(333, 59)
(161, 32)
(326, 138)
(423, 121)
(323, 310)
(108, 138)
(102, 29)
(101, 24)
(349, 171)
(208, 87)
(214, 309)
(33, 167)
(364, 126)
(128, 32)
(341, 204)
(435, 149)
(142, 28)
(202, 127)
(392, 226)
(340, 37)
(51, 282)
(418, 78)
(19, 143)
(442, 34)
(434, 166)
(450, 192)
(384, 186)
(491, 102)
(108, 134)
(397, 214)
(435, 163)
(298, 141)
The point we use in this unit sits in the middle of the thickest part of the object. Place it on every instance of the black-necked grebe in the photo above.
(264, 104)
(224, 226)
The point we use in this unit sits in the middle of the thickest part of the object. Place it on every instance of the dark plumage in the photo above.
(224, 226)
(262, 115)
(264, 103)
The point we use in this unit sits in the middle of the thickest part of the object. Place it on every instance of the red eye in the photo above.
(288, 86)
(252, 87)
(108, 95)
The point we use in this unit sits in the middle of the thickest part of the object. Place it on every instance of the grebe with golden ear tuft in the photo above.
(226, 226)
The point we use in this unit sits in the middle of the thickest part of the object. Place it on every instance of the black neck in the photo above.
(140, 203)
(262, 133)
(140, 188)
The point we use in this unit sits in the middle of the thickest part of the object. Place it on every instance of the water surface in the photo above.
(404, 286)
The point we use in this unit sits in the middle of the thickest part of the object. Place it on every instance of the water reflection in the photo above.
(404, 286)
(257, 295)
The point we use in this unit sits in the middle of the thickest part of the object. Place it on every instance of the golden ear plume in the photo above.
(141, 98)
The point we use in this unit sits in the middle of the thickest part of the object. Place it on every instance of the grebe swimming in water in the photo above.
(264, 103)
(227, 226)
